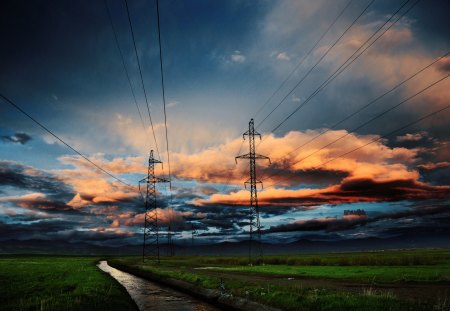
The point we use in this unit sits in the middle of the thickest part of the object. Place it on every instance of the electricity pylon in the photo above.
(150, 247)
(254, 222)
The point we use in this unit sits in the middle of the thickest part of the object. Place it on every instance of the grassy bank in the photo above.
(437, 273)
(58, 283)
(307, 286)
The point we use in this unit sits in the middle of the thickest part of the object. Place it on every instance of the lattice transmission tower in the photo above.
(150, 247)
(254, 222)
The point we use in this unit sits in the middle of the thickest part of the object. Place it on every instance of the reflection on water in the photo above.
(150, 296)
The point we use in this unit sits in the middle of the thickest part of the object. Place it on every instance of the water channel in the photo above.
(150, 296)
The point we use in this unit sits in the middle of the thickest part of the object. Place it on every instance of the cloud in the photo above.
(166, 216)
(378, 173)
(117, 165)
(375, 160)
(351, 190)
(237, 57)
(33, 230)
(444, 65)
(433, 166)
(22, 177)
(283, 56)
(38, 201)
(331, 224)
(17, 138)
(398, 54)
(173, 103)
(295, 99)
(92, 187)
(411, 137)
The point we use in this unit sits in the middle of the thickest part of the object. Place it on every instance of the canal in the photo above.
(150, 296)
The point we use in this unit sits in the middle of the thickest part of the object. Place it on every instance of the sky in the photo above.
(351, 100)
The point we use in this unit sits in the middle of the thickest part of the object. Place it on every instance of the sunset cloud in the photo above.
(374, 161)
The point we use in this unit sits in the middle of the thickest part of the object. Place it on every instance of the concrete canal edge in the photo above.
(212, 296)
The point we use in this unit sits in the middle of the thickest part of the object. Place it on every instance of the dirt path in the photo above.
(415, 291)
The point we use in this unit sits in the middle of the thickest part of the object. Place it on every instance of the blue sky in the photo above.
(222, 62)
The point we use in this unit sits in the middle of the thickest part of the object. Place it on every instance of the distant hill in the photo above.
(412, 240)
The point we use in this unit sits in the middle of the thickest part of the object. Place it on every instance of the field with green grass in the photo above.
(58, 283)
(391, 280)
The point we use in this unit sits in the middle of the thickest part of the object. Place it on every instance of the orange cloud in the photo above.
(351, 190)
(216, 165)
(91, 186)
(373, 173)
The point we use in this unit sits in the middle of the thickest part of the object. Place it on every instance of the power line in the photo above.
(379, 138)
(387, 135)
(372, 119)
(366, 106)
(303, 59)
(142, 79)
(61, 140)
(376, 117)
(318, 62)
(170, 242)
(123, 63)
(339, 70)
(163, 92)
(348, 62)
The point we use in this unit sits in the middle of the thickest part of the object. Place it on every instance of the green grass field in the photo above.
(391, 280)
(360, 281)
(58, 283)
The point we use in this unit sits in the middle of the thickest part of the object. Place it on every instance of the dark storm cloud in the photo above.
(326, 224)
(435, 173)
(92, 235)
(316, 176)
(219, 216)
(63, 231)
(432, 224)
(410, 140)
(18, 138)
(273, 210)
(21, 177)
(360, 190)
(35, 230)
(395, 190)
(222, 233)
(185, 194)
(51, 204)
(431, 158)
(331, 224)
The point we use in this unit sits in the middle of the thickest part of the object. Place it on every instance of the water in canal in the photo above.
(151, 296)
